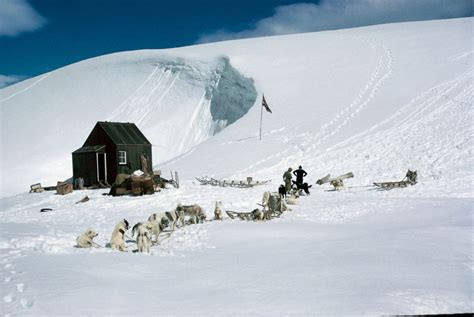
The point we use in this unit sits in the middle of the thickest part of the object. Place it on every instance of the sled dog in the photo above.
(265, 199)
(282, 191)
(159, 216)
(148, 225)
(218, 211)
(293, 199)
(143, 236)
(86, 240)
(257, 214)
(195, 212)
(117, 241)
(175, 216)
(159, 222)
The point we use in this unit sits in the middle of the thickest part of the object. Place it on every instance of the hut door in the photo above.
(101, 167)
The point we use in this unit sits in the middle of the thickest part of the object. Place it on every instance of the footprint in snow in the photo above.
(20, 287)
(25, 303)
(8, 298)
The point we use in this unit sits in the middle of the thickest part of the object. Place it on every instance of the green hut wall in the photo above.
(111, 137)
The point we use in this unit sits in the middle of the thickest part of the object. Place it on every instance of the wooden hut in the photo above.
(112, 148)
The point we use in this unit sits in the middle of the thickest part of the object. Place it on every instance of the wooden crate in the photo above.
(63, 188)
(148, 187)
(137, 188)
(122, 191)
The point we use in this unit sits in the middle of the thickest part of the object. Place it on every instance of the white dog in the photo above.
(144, 238)
(144, 230)
(86, 240)
(117, 241)
(157, 216)
(257, 214)
(158, 222)
(293, 199)
(218, 211)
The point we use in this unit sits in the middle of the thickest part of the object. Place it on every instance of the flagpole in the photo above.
(261, 116)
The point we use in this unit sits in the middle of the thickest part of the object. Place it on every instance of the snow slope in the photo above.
(374, 100)
(170, 98)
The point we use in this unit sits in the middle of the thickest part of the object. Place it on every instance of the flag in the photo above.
(265, 105)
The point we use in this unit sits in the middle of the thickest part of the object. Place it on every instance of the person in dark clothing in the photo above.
(300, 173)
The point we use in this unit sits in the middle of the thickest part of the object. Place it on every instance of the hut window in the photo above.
(122, 157)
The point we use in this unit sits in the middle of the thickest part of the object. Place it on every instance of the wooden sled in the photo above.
(336, 182)
(392, 185)
(240, 215)
(230, 183)
(252, 216)
(411, 179)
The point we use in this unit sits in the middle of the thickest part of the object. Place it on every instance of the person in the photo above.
(287, 177)
(300, 173)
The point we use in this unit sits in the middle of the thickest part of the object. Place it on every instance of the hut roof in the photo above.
(123, 133)
(90, 149)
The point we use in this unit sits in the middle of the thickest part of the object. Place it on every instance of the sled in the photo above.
(83, 200)
(337, 182)
(240, 215)
(267, 215)
(36, 188)
(409, 180)
(392, 185)
(230, 183)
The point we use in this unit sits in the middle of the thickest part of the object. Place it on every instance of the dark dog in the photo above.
(303, 186)
(306, 187)
(282, 191)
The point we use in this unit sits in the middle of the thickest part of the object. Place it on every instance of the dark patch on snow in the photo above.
(234, 95)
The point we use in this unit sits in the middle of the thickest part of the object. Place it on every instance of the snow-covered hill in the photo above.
(177, 102)
(374, 100)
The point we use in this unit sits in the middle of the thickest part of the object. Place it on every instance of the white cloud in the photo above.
(337, 14)
(10, 80)
(18, 16)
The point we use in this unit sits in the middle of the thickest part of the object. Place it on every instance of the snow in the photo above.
(374, 101)
(169, 98)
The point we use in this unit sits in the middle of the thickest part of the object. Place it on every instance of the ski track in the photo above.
(461, 56)
(27, 88)
(406, 112)
(140, 103)
(202, 106)
(419, 111)
(382, 70)
(123, 106)
(434, 109)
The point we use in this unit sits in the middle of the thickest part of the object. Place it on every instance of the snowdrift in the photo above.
(374, 101)
(382, 90)
(176, 102)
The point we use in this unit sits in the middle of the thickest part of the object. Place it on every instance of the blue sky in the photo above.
(37, 36)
